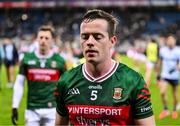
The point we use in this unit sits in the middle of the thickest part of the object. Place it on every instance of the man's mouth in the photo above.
(91, 52)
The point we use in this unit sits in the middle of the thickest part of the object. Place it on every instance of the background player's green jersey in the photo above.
(116, 98)
(42, 73)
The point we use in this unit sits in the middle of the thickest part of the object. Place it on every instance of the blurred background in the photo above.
(140, 21)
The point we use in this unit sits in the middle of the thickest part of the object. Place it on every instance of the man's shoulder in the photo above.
(29, 55)
(124, 71)
(177, 48)
(164, 48)
(124, 68)
(58, 57)
(73, 73)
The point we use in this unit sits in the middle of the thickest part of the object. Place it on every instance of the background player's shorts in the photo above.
(45, 116)
(171, 82)
(150, 65)
(9, 63)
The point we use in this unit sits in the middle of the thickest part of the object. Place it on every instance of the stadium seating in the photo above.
(133, 23)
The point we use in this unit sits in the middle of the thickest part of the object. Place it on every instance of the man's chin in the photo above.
(92, 61)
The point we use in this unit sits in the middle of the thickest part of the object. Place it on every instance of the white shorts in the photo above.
(45, 117)
(150, 65)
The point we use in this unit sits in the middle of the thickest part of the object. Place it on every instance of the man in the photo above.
(42, 68)
(169, 62)
(10, 59)
(102, 91)
(1, 61)
(152, 53)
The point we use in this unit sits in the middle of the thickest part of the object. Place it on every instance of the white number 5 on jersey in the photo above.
(93, 95)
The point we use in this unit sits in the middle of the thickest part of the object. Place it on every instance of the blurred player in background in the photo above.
(152, 54)
(42, 69)
(138, 57)
(169, 63)
(1, 61)
(10, 59)
(102, 91)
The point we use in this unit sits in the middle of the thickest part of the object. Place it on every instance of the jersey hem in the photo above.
(144, 116)
(57, 110)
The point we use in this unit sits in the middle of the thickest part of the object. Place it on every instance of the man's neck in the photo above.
(44, 52)
(98, 70)
(171, 47)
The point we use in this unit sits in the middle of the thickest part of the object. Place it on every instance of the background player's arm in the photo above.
(158, 68)
(149, 121)
(178, 64)
(18, 90)
(61, 120)
(17, 96)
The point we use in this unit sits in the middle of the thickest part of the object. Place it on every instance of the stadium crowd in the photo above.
(134, 23)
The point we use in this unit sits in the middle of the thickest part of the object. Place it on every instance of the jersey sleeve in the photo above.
(63, 64)
(59, 94)
(23, 67)
(142, 107)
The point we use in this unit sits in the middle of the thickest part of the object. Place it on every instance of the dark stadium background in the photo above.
(140, 20)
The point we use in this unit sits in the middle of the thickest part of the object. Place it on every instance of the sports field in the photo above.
(6, 100)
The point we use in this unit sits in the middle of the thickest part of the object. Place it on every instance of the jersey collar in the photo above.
(43, 56)
(102, 78)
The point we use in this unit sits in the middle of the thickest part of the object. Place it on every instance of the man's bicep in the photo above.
(149, 121)
(142, 106)
(61, 120)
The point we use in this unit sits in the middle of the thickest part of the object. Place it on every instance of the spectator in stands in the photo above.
(10, 59)
(169, 63)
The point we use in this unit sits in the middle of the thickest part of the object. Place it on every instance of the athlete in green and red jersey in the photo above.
(102, 91)
(42, 70)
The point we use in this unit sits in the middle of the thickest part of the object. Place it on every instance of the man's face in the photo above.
(7, 40)
(95, 41)
(44, 39)
(171, 41)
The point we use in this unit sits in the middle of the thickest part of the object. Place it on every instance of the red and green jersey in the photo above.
(42, 74)
(117, 98)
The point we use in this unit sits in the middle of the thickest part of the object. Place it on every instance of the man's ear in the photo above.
(113, 40)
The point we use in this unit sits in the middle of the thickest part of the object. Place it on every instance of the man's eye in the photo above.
(46, 38)
(41, 37)
(85, 36)
(97, 36)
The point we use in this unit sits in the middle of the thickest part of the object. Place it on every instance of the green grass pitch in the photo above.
(6, 99)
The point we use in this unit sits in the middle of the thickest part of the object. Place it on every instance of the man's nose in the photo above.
(42, 41)
(90, 40)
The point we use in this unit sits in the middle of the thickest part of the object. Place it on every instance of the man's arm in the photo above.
(150, 121)
(61, 120)
(18, 90)
(17, 96)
